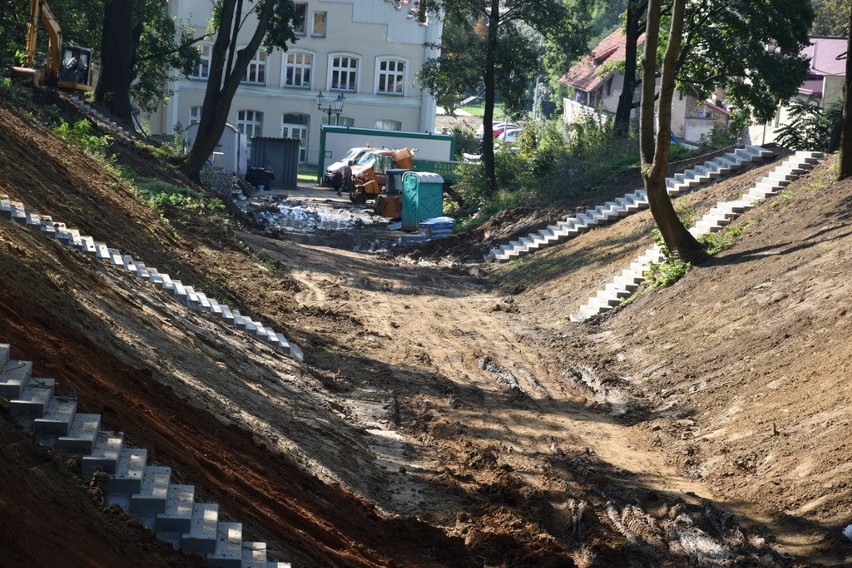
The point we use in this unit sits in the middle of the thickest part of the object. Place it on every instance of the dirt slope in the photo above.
(446, 415)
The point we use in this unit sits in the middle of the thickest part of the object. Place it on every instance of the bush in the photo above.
(80, 135)
(809, 126)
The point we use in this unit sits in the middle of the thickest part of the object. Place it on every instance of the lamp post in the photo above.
(334, 107)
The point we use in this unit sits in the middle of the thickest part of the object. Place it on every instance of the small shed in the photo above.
(422, 198)
(230, 152)
(278, 155)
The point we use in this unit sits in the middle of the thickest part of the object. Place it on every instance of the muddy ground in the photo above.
(447, 413)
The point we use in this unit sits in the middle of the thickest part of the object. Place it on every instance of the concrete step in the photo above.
(153, 492)
(201, 538)
(33, 400)
(13, 377)
(87, 245)
(115, 257)
(229, 547)
(129, 471)
(227, 315)
(81, 437)
(57, 418)
(102, 251)
(254, 555)
(177, 517)
(104, 455)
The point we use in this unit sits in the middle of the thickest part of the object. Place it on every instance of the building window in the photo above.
(297, 69)
(344, 73)
(295, 127)
(347, 121)
(301, 16)
(194, 115)
(256, 70)
(391, 77)
(202, 70)
(250, 123)
(388, 125)
(320, 19)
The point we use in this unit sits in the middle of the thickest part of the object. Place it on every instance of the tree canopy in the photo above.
(492, 48)
(830, 17)
(751, 49)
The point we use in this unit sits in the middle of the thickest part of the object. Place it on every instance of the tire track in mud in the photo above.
(457, 401)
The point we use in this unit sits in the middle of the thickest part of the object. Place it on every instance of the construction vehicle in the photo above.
(67, 66)
(370, 176)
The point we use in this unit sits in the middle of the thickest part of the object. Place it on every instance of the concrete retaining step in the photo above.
(14, 375)
(201, 538)
(623, 286)
(153, 492)
(57, 418)
(33, 400)
(177, 516)
(81, 436)
(229, 546)
(104, 456)
(184, 294)
(129, 471)
(626, 205)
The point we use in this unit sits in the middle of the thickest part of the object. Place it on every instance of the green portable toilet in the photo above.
(422, 198)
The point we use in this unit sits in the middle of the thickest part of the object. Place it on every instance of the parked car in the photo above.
(334, 173)
(510, 135)
(497, 127)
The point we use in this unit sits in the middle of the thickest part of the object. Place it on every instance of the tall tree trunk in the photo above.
(117, 47)
(655, 150)
(632, 31)
(226, 73)
(487, 118)
(844, 167)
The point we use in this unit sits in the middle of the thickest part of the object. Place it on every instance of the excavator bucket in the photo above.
(402, 158)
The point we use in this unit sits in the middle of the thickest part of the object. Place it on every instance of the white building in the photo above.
(370, 51)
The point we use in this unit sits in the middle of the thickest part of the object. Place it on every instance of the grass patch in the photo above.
(715, 243)
(478, 109)
(161, 194)
(80, 135)
(305, 176)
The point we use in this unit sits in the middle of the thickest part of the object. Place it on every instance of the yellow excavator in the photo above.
(67, 66)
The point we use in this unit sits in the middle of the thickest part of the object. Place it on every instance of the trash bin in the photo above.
(422, 198)
(260, 178)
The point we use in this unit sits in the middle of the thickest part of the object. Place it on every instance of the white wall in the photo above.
(368, 29)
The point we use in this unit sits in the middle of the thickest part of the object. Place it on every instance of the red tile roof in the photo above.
(584, 75)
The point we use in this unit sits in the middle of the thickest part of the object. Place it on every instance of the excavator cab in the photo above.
(76, 67)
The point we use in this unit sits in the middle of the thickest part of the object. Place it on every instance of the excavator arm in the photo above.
(41, 14)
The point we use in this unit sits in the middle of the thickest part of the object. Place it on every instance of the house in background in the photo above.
(370, 52)
(823, 86)
(596, 84)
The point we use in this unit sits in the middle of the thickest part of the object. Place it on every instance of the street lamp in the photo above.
(335, 106)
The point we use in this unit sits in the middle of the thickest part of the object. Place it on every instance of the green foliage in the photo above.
(725, 45)
(466, 141)
(808, 126)
(164, 48)
(715, 243)
(831, 18)
(668, 272)
(161, 195)
(550, 163)
(80, 135)
(719, 137)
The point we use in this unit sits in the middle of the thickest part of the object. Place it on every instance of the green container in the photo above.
(422, 198)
